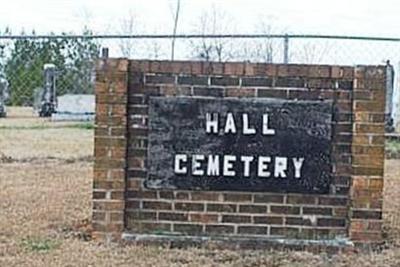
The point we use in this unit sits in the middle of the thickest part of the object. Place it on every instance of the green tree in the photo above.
(3, 45)
(74, 59)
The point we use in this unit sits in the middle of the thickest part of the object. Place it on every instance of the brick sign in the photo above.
(266, 145)
(217, 150)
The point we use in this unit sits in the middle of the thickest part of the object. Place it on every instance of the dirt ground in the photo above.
(45, 191)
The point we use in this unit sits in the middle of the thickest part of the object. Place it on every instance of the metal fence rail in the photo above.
(23, 57)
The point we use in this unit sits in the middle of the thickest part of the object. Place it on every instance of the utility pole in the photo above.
(176, 18)
(286, 49)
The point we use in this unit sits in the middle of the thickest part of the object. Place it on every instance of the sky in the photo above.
(335, 17)
(346, 17)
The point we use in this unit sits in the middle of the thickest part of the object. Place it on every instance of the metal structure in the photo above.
(389, 118)
(4, 94)
(49, 94)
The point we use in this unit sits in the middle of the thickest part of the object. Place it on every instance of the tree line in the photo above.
(22, 62)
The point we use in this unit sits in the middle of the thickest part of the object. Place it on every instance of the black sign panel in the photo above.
(263, 145)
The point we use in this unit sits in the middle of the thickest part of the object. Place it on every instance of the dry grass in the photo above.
(29, 138)
(45, 206)
(391, 200)
(59, 143)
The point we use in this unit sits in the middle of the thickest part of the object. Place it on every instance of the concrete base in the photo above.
(229, 242)
(72, 117)
(3, 112)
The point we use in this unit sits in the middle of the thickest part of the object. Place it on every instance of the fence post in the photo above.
(3, 96)
(104, 52)
(286, 49)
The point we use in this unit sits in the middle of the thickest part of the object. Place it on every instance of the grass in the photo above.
(393, 146)
(45, 212)
(83, 125)
(39, 244)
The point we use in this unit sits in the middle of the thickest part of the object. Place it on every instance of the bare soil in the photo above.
(45, 205)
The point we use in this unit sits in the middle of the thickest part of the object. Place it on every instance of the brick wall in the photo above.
(109, 181)
(367, 154)
(351, 209)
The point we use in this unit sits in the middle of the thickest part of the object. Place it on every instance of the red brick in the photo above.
(182, 195)
(157, 205)
(285, 210)
(249, 68)
(268, 220)
(149, 227)
(98, 216)
(132, 204)
(240, 92)
(188, 228)
(298, 221)
(221, 207)
(118, 195)
(237, 197)
(203, 218)
(268, 198)
(109, 227)
(366, 236)
(362, 170)
(317, 211)
(348, 72)
(300, 199)
(252, 209)
(368, 106)
(378, 128)
(208, 196)
(297, 70)
(100, 175)
(117, 217)
(257, 81)
(166, 194)
(224, 81)
(108, 205)
(331, 222)
(319, 71)
(141, 194)
(139, 66)
(290, 82)
(173, 90)
(219, 229)
(209, 91)
(108, 185)
(336, 72)
(321, 83)
(137, 215)
(236, 219)
(277, 93)
(366, 214)
(362, 95)
(310, 94)
(269, 70)
(234, 68)
(332, 201)
(285, 231)
(253, 230)
(189, 206)
(172, 216)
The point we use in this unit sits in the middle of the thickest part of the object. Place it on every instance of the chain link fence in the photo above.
(23, 62)
(23, 58)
